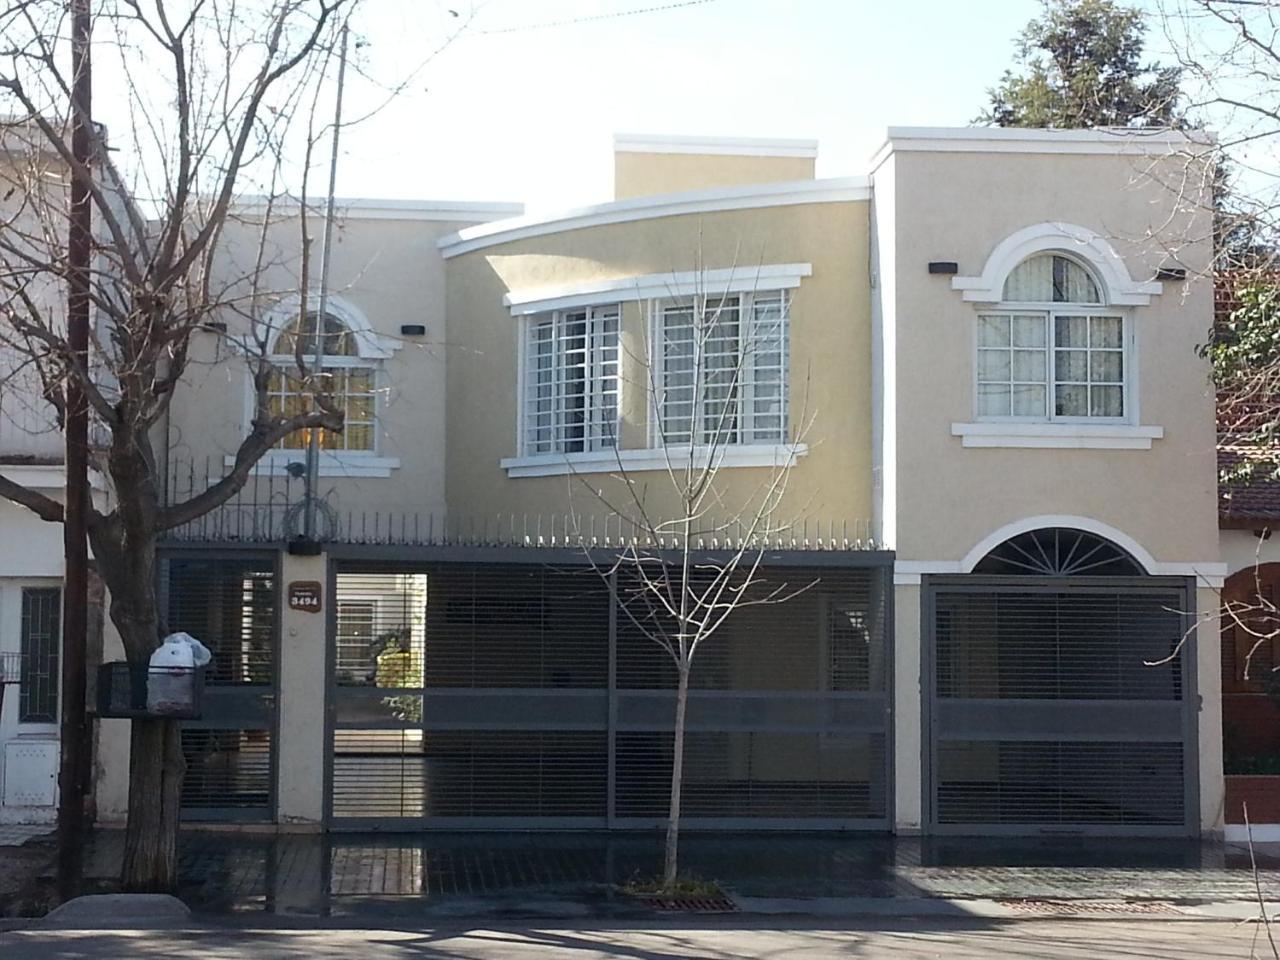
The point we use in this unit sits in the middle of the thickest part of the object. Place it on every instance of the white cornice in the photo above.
(754, 196)
(714, 146)
(1099, 140)
(769, 276)
(354, 208)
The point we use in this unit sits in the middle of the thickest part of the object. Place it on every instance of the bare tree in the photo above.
(214, 89)
(1230, 68)
(690, 548)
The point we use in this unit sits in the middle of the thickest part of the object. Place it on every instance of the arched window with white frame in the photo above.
(349, 380)
(1052, 349)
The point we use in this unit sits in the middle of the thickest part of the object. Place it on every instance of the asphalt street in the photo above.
(711, 939)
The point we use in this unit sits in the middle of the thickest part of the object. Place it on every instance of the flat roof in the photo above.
(713, 146)
(1095, 140)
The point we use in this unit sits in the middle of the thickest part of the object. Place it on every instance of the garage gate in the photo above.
(1062, 693)
(521, 695)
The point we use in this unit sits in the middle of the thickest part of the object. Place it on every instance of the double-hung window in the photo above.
(1052, 351)
(721, 369)
(571, 381)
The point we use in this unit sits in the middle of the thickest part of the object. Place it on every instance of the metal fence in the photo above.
(270, 508)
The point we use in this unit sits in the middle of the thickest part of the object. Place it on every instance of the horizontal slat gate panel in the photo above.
(229, 605)
(770, 647)
(756, 775)
(1054, 782)
(1071, 645)
(474, 695)
(1057, 708)
(467, 774)
(489, 626)
(226, 769)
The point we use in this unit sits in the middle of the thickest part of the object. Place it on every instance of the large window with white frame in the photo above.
(1052, 350)
(348, 380)
(571, 381)
(721, 369)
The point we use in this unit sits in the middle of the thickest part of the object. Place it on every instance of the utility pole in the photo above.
(313, 439)
(74, 731)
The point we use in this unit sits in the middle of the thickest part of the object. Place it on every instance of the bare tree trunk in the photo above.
(670, 863)
(126, 549)
(155, 789)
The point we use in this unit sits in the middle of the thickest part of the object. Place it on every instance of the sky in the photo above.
(513, 110)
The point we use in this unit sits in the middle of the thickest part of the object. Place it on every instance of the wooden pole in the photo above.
(74, 732)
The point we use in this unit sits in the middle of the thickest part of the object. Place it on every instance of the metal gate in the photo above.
(519, 695)
(229, 602)
(1060, 704)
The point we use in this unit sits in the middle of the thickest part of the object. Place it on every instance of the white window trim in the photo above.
(522, 363)
(1057, 435)
(746, 382)
(332, 463)
(1117, 285)
(611, 461)
(1050, 311)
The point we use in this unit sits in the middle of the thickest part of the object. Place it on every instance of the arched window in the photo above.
(1050, 278)
(1052, 350)
(349, 379)
(1059, 552)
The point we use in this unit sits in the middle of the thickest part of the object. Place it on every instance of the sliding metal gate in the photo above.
(228, 601)
(518, 695)
(1060, 704)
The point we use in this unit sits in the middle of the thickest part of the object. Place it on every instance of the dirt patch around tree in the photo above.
(26, 879)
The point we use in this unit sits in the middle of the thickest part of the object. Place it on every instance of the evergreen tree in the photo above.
(1081, 66)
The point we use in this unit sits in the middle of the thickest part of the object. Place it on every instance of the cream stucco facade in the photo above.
(883, 276)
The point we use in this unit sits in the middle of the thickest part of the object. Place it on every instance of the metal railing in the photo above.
(269, 509)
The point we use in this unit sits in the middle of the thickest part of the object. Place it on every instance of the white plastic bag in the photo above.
(171, 674)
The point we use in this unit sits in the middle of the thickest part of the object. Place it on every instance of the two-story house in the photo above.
(974, 366)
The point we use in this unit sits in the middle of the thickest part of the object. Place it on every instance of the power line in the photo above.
(616, 15)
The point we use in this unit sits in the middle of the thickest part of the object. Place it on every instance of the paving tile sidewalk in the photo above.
(346, 874)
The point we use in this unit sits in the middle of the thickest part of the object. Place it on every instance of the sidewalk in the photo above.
(444, 876)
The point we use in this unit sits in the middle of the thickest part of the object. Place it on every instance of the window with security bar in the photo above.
(722, 369)
(571, 381)
(39, 640)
